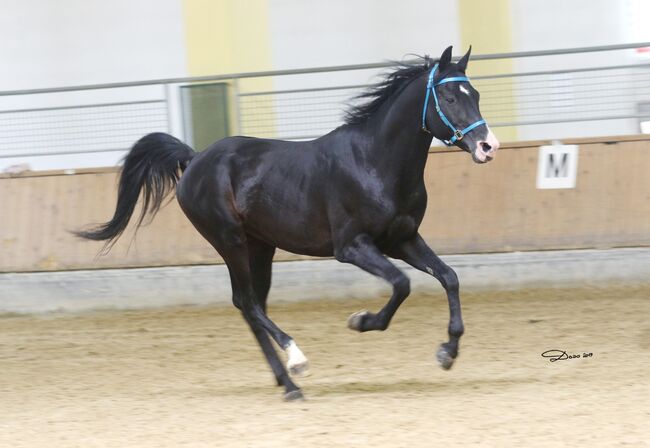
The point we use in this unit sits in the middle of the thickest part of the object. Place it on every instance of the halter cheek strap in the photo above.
(431, 91)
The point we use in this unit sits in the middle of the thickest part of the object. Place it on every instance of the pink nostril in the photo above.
(485, 146)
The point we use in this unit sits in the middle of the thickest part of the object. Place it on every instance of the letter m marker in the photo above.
(557, 166)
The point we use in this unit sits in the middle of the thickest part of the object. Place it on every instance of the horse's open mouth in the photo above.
(486, 160)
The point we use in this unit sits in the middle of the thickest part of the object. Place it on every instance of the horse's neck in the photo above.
(400, 145)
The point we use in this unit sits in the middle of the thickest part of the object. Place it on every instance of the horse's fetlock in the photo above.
(456, 329)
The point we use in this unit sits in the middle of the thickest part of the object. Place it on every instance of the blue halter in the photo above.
(431, 89)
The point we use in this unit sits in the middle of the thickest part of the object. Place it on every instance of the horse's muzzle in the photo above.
(486, 149)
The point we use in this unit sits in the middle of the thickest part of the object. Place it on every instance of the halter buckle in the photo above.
(458, 134)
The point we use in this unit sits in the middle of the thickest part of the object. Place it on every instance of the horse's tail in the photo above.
(153, 166)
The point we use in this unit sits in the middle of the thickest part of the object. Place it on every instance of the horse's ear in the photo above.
(462, 64)
(445, 59)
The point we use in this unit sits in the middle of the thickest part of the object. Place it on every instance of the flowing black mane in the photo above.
(379, 93)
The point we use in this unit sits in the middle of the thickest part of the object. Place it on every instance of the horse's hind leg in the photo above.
(416, 253)
(229, 239)
(261, 264)
(261, 260)
(237, 259)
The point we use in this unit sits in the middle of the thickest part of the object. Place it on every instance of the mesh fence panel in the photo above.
(584, 95)
(294, 114)
(66, 130)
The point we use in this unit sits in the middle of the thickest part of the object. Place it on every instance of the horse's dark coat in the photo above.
(357, 194)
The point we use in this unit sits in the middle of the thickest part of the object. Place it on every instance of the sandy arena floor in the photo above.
(194, 377)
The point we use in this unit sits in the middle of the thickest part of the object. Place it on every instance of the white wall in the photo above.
(553, 24)
(47, 43)
(313, 33)
(54, 43)
(339, 32)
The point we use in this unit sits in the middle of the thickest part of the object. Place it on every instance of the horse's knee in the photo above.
(401, 286)
(449, 279)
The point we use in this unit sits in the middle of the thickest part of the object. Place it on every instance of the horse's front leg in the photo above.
(363, 252)
(416, 253)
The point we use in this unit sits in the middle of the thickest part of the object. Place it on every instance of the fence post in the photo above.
(174, 121)
(236, 107)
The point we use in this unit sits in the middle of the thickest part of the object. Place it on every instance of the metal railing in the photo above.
(561, 96)
(306, 103)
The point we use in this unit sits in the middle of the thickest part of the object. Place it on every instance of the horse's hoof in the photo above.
(444, 358)
(355, 321)
(297, 364)
(294, 395)
(300, 369)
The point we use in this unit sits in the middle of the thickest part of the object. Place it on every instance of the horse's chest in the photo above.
(400, 228)
(402, 225)
(392, 212)
(405, 221)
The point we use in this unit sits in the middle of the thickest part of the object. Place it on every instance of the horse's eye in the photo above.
(450, 100)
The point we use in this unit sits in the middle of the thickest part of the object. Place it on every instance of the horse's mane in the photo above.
(393, 82)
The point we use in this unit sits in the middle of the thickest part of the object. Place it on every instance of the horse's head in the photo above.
(451, 112)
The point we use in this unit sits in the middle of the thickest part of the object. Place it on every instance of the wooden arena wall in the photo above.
(472, 208)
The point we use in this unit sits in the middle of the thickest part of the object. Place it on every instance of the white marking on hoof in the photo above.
(355, 319)
(297, 363)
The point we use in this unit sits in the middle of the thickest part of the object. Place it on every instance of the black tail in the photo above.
(152, 166)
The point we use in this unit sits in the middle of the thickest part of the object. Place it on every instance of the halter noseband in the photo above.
(431, 89)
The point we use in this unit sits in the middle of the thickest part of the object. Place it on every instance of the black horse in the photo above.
(356, 193)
